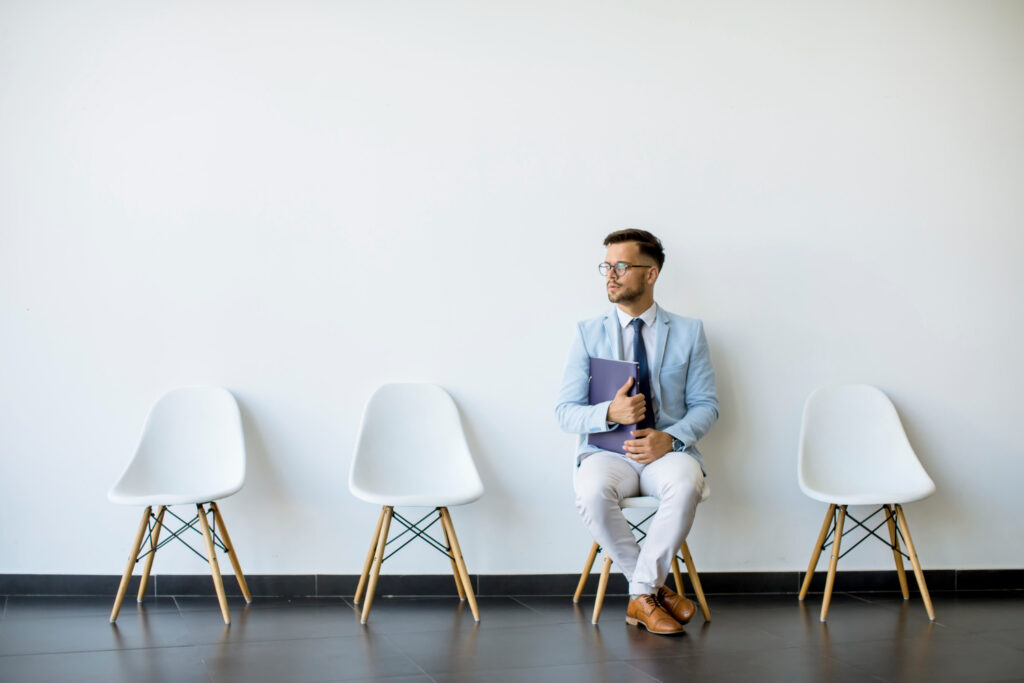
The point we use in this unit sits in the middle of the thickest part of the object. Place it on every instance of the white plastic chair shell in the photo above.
(853, 450)
(411, 450)
(192, 450)
(651, 503)
(639, 503)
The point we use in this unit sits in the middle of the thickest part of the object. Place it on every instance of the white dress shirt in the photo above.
(625, 319)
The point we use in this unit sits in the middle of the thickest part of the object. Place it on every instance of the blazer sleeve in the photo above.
(573, 411)
(701, 395)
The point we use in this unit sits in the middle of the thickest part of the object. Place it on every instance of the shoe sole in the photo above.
(632, 621)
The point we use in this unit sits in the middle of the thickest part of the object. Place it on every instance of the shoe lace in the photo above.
(650, 602)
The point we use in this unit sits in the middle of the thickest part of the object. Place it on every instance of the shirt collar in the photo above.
(647, 316)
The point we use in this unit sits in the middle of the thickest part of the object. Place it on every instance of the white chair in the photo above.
(649, 505)
(411, 451)
(192, 452)
(853, 451)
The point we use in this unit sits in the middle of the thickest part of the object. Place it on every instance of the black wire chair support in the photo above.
(895, 547)
(419, 532)
(154, 522)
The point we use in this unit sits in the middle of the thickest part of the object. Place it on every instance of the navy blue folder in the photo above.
(606, 378)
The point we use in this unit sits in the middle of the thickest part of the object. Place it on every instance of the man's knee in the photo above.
(688, 485)
(594, 495)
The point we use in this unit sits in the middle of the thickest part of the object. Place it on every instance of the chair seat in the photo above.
(639, 502)
(896, 498)
(882, 492)
(426, 500)
(127, 496)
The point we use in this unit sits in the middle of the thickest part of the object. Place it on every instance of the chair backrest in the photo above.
(192, 450)
(853, 449)
(411, 450)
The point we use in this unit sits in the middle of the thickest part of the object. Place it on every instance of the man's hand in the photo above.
(648, 445)
(626, 410)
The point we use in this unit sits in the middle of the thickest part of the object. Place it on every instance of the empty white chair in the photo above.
(649, 505)
(853, 451)
(411, 451)
(192, 452)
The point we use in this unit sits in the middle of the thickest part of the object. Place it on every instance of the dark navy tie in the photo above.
(644, 383)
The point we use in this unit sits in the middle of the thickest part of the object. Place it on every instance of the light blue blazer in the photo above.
(682, 379)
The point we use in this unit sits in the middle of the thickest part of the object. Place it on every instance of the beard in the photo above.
(625, 295)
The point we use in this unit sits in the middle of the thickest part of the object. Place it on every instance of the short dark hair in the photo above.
(648, 243)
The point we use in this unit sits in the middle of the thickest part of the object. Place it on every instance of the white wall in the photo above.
(300, 201)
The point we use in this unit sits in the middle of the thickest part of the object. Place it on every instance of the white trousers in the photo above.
(603, 479)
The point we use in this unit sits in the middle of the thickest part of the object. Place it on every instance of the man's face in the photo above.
(636, 282)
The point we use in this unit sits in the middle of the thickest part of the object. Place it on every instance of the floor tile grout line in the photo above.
(538, 667)
(185, 645)
(107, 649)
(412, 661)
(639, 670)
(906, 604)
(517, 600)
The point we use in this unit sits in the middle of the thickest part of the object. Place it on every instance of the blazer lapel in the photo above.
(611, 328)
(661, 332)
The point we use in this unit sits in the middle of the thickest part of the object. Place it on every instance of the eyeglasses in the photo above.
(620, 268)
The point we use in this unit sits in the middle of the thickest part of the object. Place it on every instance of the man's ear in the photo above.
(652, 275)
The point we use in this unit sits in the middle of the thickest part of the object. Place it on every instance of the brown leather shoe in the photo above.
(646, 611)
(682, 609)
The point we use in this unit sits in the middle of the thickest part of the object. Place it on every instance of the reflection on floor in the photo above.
(976, 637)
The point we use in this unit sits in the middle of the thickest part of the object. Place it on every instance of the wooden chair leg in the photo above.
(455, 568)
(587, 566)
(833, 561)
(918, 573)
(677, 576)
(369, 558)
(816, 553)
(224, 536)
(460, 563)
(211, 554)
(378, 559)
(132, 559)
(154, 536)
(602, 586)
(890, 519)
(698, 590)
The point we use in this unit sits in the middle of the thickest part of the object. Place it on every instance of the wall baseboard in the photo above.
(336, 585)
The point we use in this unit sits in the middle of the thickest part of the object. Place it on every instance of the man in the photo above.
(675, 405)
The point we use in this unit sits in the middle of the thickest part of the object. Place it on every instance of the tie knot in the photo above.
(637, 324)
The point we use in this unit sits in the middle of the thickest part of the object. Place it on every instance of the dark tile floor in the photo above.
(977, 637)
